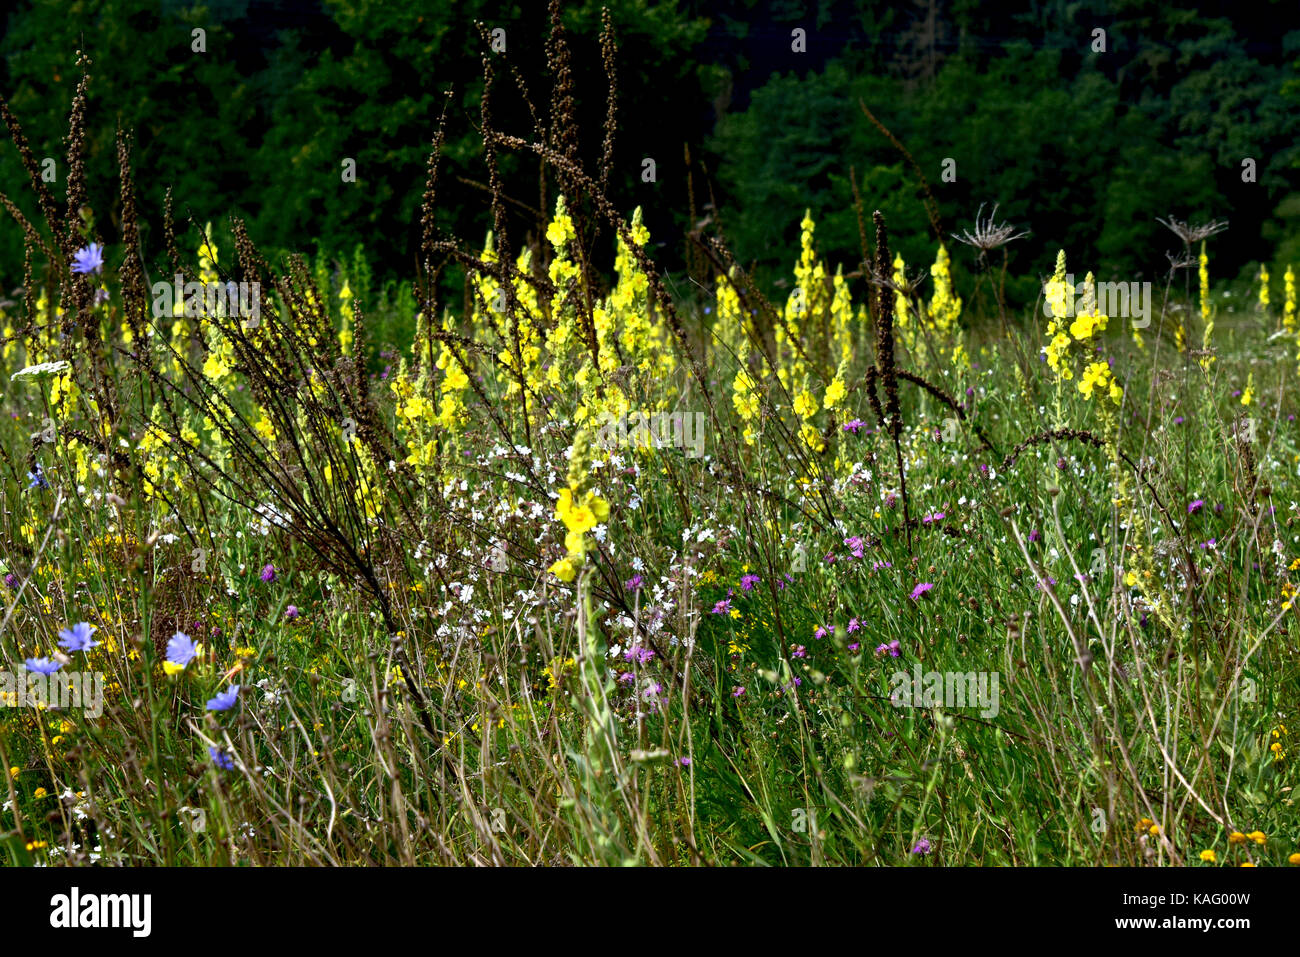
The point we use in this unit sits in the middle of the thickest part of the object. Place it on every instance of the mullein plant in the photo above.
(220, 357)
(623, 329)
(905, 319)
(842, 327)
(1057, 351)
(929, 332)
(1289, 305)
(644, 344)
(42, 345)
(1096, 379)
(1289, 300)
(347, 315)
(573, 351)
(729, 329)
(1070, 342)
(415, 413)
(945, 310)
(521, 356)
(746, 386)
(172, 433)
(580, 509)
(565, 337)
(806, 301)
(1207, 313)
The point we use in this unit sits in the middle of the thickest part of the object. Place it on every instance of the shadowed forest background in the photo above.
(1076, 146)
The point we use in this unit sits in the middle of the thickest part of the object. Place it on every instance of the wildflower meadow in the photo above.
(548, 554)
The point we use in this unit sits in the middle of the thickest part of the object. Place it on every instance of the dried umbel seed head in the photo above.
(1191, 234)
(988, 234)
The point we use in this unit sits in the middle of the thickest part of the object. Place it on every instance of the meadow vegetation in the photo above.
(374, 576)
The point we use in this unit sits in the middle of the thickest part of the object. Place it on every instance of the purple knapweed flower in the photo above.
(268, 574)
(747, 582)
(854, 545)
(633, 583)
(1195, 506)
(854, 625)
(922, 846)
(640, 655)
(291, 612)
(854, 426)
(723, 607)
(921, 589)
(738, 691)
